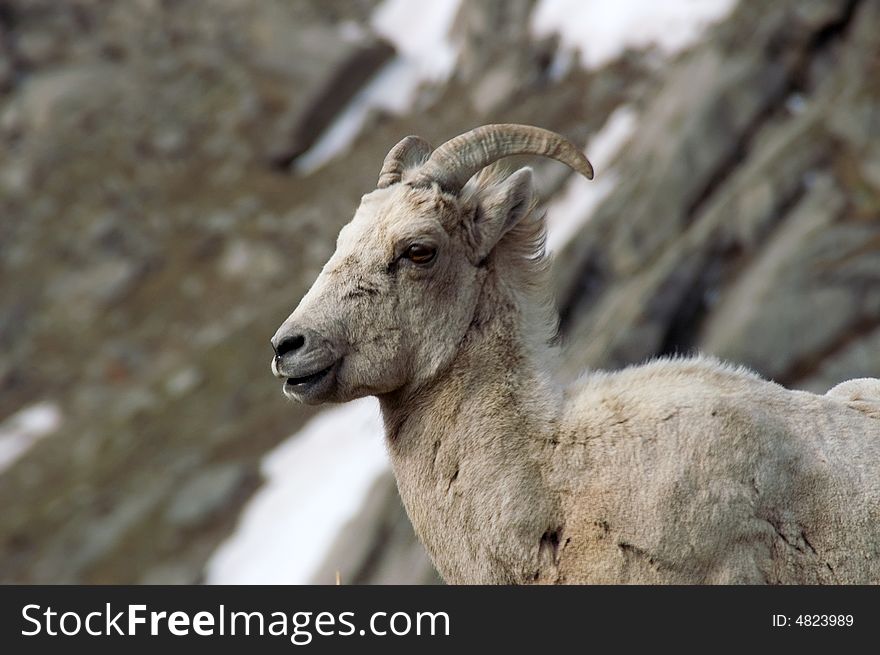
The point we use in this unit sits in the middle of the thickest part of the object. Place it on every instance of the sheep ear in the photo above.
(503, 206)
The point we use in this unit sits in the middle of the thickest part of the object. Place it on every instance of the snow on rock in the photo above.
(419, 32)
(602, 30)
(315, 483)
(577, 200)
(22, 430)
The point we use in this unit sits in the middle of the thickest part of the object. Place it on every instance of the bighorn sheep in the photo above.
(677, 471)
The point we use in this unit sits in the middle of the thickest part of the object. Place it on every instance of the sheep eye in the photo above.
(419, 254)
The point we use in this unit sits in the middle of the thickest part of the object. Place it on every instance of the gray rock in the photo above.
(206, 494)
(183, 381)
(746, 205)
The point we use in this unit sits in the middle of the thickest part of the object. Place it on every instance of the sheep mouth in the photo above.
(311, 388)
(306, 379)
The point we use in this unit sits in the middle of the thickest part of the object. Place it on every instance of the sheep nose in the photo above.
(289, 343)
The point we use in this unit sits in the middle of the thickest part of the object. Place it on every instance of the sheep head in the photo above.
(393, 304)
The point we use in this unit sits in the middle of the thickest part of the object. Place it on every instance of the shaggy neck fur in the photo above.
(466, 447)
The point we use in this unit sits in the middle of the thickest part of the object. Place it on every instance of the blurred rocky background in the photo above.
(173, 175)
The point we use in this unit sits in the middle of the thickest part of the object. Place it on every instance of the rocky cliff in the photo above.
(154, 231)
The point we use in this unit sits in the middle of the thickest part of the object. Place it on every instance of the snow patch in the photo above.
(577, 200)
(316, 482)
(419, 32)
(602, 30)
(22, 430)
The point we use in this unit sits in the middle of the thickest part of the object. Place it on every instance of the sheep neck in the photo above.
(466, 449)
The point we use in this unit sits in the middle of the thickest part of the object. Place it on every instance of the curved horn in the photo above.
(409, 151)
(456, 161)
